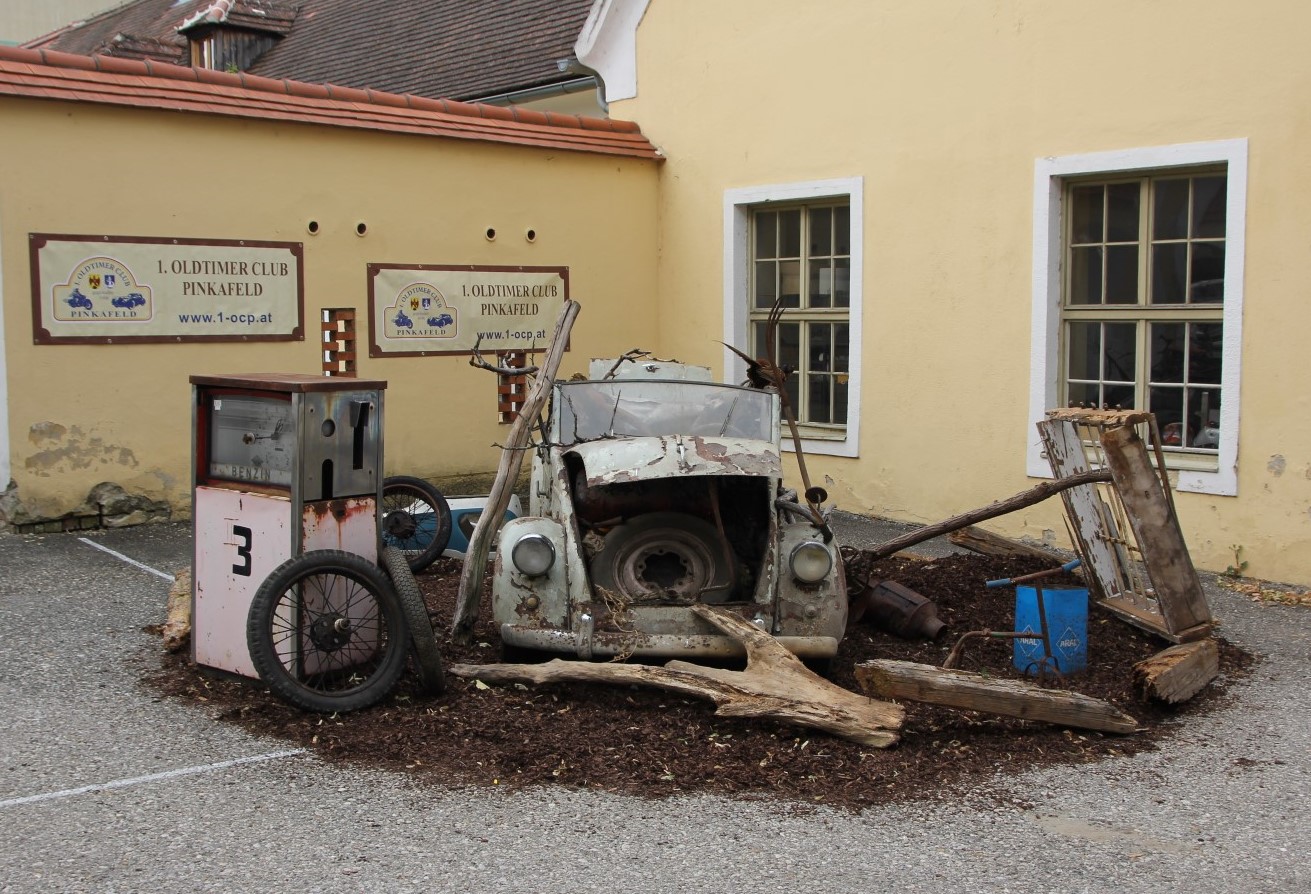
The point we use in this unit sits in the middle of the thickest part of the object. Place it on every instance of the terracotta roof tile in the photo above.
(40, 74)
(436, 48)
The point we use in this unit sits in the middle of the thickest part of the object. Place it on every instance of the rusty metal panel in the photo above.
(350, 524)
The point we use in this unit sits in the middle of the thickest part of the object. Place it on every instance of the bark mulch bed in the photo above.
(652, 743)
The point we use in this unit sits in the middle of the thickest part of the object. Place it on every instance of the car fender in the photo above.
(544, 600)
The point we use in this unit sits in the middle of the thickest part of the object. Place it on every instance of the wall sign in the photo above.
(108, 289)
(421, 309)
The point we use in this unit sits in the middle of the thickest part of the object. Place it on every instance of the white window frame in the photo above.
(1049, 179)
(738, 206)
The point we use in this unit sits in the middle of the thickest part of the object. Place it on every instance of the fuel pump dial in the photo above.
(251, 438)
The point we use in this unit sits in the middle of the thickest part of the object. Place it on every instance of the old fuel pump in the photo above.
(285, 464)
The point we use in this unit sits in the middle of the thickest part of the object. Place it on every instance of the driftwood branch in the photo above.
(973, 692)
(775, 685)
(507, 473)
(1019, 501)
(478, 362)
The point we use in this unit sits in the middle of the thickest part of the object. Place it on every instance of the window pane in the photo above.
(842, 230)
(789, 282)
(821, 283)
(1122, 212)
(759, 347)
(789, 234)
(821, 231)
(1169, 269)
(841, 347)
(1205, 353)
(1086, 276)
(1168, 405)
(1170, 211)
(840, 401)
(821, 347)
(789, 346)
(766, 287)
(1208, 274)
(766, 234)
(1168, 348)
(1209, 196)
(1086, 214)
(1117, 397)
(1085, 394)
(1122, 274)
(819, 399)
(842, 282)
(1121, 351)
(1204, 411)
(1084, 351)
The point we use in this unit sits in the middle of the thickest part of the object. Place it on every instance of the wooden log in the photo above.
(507, 474)
(775, 685)
(1025, 498)
(973, 692)
(986, 543)
(177, 625)
(1180, 672)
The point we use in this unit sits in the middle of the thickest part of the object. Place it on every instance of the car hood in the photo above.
(617, 460)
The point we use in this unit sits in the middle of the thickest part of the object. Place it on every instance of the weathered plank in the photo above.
(1180, 672)
(973, 692)
(775, 684)
(1177, 588)
(986, 543)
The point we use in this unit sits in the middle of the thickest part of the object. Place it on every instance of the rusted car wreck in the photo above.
(656, 489)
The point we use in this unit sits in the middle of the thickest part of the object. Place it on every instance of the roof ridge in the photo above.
(286, 87)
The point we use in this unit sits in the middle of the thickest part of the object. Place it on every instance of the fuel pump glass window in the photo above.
(250, 439)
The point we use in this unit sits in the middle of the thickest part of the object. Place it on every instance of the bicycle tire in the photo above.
(427, 654)
(415, 519)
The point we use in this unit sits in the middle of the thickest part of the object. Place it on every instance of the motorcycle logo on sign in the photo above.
(101, 289)
(421, 311)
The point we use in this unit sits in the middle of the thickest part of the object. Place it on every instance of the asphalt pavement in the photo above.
(105, 788)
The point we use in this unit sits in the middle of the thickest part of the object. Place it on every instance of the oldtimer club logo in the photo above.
(104, 290)
(421, 310)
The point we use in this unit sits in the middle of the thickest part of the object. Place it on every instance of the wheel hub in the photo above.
(399, 524)
(330, 632)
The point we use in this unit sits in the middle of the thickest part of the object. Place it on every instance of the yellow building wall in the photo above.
(943, 107)
(84, 414)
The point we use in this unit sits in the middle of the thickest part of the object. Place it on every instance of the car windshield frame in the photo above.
(634, 408)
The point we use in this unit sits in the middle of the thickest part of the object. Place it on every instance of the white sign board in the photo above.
(415, 310)
(123, 288)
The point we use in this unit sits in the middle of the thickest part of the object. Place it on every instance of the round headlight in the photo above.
(533, 555)
(810, 562)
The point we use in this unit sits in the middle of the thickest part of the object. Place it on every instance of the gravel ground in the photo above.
(1220, 808)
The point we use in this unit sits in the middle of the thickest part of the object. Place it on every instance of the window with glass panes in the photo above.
(1143, 300)
(803, 255)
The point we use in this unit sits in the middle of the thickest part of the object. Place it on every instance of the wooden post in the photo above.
(507, 474)
(1019, 501)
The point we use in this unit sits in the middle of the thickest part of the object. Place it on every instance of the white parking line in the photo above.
(118, 555)
(153, 777)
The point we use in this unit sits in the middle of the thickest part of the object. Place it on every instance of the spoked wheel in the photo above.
(416, 519)
(327, 633)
